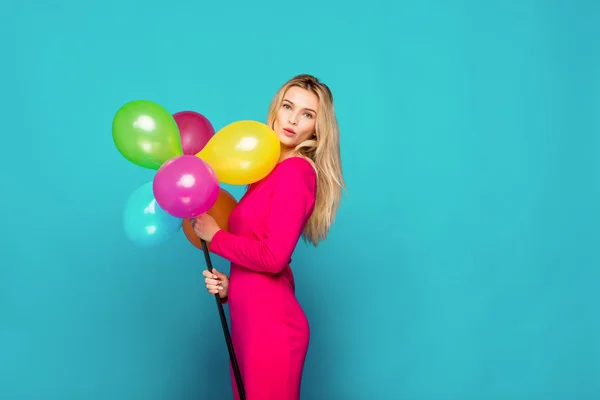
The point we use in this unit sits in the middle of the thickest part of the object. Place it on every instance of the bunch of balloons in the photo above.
(191, 161)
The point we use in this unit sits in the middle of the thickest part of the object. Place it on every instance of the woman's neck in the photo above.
(286, 153)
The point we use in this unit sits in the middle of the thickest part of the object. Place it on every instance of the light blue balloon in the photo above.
(144, 222)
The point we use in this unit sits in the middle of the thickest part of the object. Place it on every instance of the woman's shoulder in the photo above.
(297, 165)
(294, 165)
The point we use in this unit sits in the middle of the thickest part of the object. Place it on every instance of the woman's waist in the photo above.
(254, 283)
(285, 273)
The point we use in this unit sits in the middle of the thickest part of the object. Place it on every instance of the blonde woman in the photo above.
(299, 198)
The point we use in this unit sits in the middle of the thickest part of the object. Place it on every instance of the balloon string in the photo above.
(232, 358)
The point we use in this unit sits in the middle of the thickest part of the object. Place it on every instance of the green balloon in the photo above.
(146, 134)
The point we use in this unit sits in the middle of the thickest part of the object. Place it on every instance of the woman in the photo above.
(300, 197)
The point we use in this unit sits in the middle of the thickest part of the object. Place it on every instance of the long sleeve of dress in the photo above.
(292, 204)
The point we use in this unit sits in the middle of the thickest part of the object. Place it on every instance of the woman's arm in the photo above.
(292, 203)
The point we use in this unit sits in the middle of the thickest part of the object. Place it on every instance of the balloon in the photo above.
(145, 222)
(220, 212)
(195, 131)
(243, 152)
(146, 134)
(186, 186)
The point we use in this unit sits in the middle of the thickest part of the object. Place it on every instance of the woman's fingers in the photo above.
(213, 289)
(213, 285)
(214, 275)
(210, 281)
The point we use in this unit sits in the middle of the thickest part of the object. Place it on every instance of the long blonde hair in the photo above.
(323, 151)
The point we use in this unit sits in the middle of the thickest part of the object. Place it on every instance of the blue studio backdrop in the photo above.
(464, 260)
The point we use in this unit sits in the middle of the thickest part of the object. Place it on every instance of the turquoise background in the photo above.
(464, 261)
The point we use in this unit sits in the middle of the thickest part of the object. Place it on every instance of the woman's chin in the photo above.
(287, 142)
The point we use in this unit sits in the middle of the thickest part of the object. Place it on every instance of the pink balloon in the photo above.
(186, 186)
(195, 131)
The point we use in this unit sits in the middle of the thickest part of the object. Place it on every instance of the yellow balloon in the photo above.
(242, 152)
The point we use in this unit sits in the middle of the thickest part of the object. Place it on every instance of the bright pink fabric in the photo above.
(269, 329)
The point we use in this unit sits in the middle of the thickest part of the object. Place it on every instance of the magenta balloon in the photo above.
(195, 131)
(186, 186)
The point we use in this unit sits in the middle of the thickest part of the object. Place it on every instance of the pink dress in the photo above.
(269, 330)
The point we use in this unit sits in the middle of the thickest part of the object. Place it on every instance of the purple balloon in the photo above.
(195, 131)
(186, 186)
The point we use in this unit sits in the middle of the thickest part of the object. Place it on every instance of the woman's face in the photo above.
(296, 118)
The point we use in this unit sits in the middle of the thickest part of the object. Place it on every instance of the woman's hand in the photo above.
(216, 282)
(205, 227)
